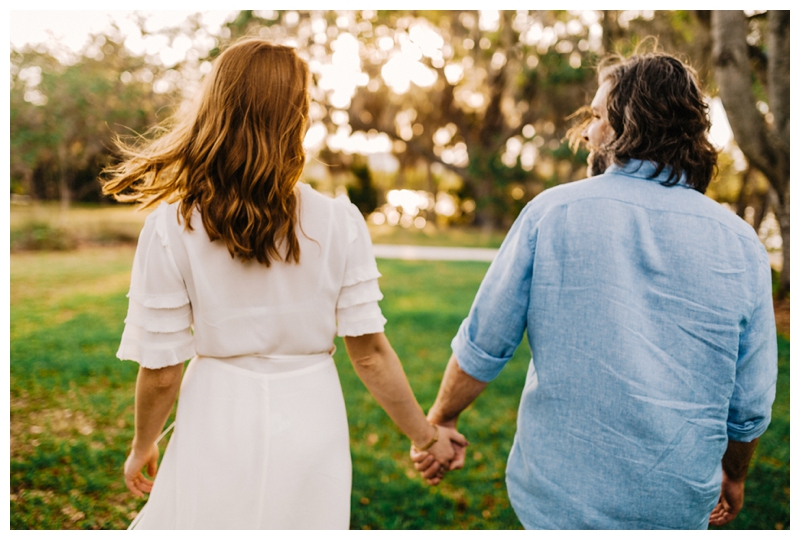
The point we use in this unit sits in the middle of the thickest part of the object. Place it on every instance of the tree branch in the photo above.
(433, 158)
(449, 109)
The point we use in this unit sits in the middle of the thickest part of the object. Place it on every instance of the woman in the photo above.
(251, 274)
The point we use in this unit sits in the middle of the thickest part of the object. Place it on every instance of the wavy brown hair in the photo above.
(658, 114)
(236, 154)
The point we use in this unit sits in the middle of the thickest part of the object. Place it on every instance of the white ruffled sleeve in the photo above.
(357, 310)
(158, 326)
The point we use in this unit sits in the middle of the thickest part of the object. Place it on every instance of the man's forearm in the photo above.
(457, 391)
(736, 460)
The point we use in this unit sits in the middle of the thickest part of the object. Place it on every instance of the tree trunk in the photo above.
(760, 203)
(781, 208)
(766, 145)
(742, 199)
(611, 30)
(30, 185)
(63, 185)
(433, 189)
(485, 217)
(778, 78)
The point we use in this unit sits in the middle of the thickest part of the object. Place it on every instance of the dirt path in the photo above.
(433, 253)
(782, 317)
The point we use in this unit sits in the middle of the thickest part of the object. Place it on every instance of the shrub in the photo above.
(42, 236)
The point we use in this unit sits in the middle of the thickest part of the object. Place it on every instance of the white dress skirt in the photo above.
(280, 436)
(261, 438)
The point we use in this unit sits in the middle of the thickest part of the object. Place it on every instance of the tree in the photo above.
(485, 94)
(64, 116)
(497, 91)
(762, 134)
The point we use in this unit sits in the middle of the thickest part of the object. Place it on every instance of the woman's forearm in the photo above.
(378, 366)
(156, 390)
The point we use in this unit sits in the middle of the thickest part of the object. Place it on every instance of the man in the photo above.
(649, 314)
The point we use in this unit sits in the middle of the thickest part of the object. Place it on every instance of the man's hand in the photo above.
(457, 391)
(734, 470)
(136, 482)
(433, 471)
(731, 498)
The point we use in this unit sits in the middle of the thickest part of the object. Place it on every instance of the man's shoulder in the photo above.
(641, 192)
(561, 193)
(565, 195)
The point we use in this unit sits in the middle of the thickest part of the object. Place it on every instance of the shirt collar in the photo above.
(643, 169)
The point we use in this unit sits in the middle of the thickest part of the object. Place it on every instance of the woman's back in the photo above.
(243, 308)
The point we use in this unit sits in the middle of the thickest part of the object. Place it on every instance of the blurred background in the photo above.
(425, 119)
(439, 125)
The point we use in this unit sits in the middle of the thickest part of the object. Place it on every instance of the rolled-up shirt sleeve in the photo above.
(158, 325)
(357, 309)
(757, 365)
(488, 337)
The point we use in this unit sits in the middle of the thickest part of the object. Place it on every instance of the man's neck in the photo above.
(599, 160)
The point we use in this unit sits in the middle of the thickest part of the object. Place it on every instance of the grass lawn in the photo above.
(72, 404)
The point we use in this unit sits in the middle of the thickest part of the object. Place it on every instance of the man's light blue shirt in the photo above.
(649, 315)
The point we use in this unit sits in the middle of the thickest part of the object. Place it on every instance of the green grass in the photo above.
(72, 404)
(432, 236)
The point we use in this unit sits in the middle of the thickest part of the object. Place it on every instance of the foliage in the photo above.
(363, 194)
(72, 404)
(483, 118)
(490, 79)
(40, 235)
(42, 226)
(64, 117)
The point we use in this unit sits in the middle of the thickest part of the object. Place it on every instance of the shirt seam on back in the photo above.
(677, 212)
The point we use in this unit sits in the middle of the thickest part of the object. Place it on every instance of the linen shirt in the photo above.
(648, 311)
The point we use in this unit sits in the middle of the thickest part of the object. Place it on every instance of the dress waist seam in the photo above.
(325, 360)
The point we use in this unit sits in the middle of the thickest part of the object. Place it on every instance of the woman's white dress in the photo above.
(260, 438)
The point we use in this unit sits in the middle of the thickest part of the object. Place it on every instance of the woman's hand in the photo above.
(447, 454)
(136, 482)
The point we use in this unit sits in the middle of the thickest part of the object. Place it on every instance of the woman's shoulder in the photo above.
(308, 192)
(163, 211)
(313, 199)
(164, 216)
(343, 212)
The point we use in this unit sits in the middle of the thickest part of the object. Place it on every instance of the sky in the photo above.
(72, 28)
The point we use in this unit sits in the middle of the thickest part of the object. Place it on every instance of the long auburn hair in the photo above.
(236, 154)
(657, 111)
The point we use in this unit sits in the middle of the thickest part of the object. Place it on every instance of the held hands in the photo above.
(136, 482)
(447, 454)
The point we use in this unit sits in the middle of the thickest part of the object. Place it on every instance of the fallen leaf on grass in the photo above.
(73, 513)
